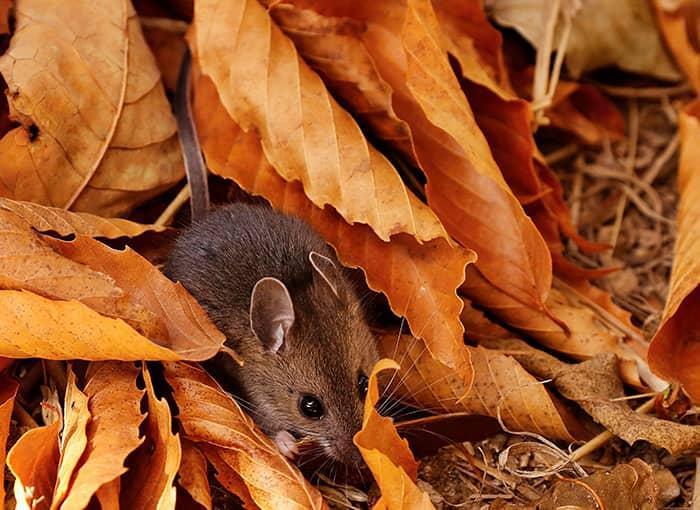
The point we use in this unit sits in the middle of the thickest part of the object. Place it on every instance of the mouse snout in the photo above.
(347, 453)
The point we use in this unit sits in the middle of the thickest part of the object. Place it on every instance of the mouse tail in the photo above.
(195, 167)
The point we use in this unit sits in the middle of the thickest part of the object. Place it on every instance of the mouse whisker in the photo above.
(407, 372)
(393, 356)
(405, 398)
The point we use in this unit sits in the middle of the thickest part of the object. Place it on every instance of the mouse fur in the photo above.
(325, 351)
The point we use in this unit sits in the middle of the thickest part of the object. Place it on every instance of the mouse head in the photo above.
(306, 373)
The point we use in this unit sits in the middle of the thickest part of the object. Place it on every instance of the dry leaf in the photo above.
(422, 284)
(387, 455)
(192, 474)
(603, 33)
(501, 386)
(112, 433)
(191, 333)
(73, 438)
(625, 487)
(33, 461)
(674, 352)
(64, 223)
(8, 391)
(595, 385)
(83, 84)
(679, 30)
(230, 439)
(465, 186)
(305, 134)
(152, 468)
(34, 326)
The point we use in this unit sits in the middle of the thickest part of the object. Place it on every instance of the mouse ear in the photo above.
(271, 313)
(325, 268)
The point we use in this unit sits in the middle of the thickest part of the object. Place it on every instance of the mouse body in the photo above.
(275, 289)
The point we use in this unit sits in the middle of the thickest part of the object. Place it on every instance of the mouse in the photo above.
(288, 310)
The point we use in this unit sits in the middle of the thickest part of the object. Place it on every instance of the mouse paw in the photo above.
(286, 444)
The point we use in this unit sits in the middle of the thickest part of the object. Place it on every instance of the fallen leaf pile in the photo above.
(410, 135)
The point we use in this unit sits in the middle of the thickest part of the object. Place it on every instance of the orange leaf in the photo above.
(679, 29)
(192, 474)
(387, 455)
(190, 331)
(422, 281)
(8, 391)
(73, 438)
(675, 349)
(83, 83)
(33, 461)
(34, 326)
(231, 440)
(64, 223)
(305, 134)
(500, 385)
(112, 433)
(153, 466)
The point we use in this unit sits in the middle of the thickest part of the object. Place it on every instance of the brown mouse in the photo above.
(287, 308)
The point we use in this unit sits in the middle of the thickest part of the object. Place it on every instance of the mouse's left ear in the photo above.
(325, 268)
(271, 313)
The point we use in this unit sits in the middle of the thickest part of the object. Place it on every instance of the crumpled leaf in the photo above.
(603, 33)
(73, 438)
(112, 433)
(33, 461)
(594, 385)
(8, 391)
(153, 466)
(305, 134)
(673, 352)
(387, 455)
(421, 288)
(213, 420)
(501, 384)
(64, 223)
(192, 475)
(82, 83)
(625, 487)
(117, 284)
(465, 186)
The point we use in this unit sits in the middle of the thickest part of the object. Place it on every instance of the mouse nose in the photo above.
(348, 453)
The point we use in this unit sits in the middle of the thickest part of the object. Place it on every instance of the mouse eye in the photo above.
(362, 385)
(311, 407)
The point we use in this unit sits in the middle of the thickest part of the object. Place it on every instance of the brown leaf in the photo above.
(230, 439)
(64, 223)
(595, 385)
(191, 333)
(34, 326)
(8, 391)
(465, 187)
(192, 474)
(4, 20)
(33, 461)
(73, 438)
(153, 466)
(387, 455)
(83, 84)
(421, 285)
(625, 487)
(305, 134)
(674, 353)
(501, 384)
(112, 433)
(168, 46)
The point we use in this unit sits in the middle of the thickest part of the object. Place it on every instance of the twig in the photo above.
(166, 216)
(662, 159)
(23, 417)
(695, 502)
(606, 436)
(562, 153)
(169, 25)
(645, 92)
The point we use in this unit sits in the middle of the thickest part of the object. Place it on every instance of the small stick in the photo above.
(606, 436)
(23, 417)
(695, 503)
(167, 216)
(57, 372)
(645, 92)
(561, 154)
